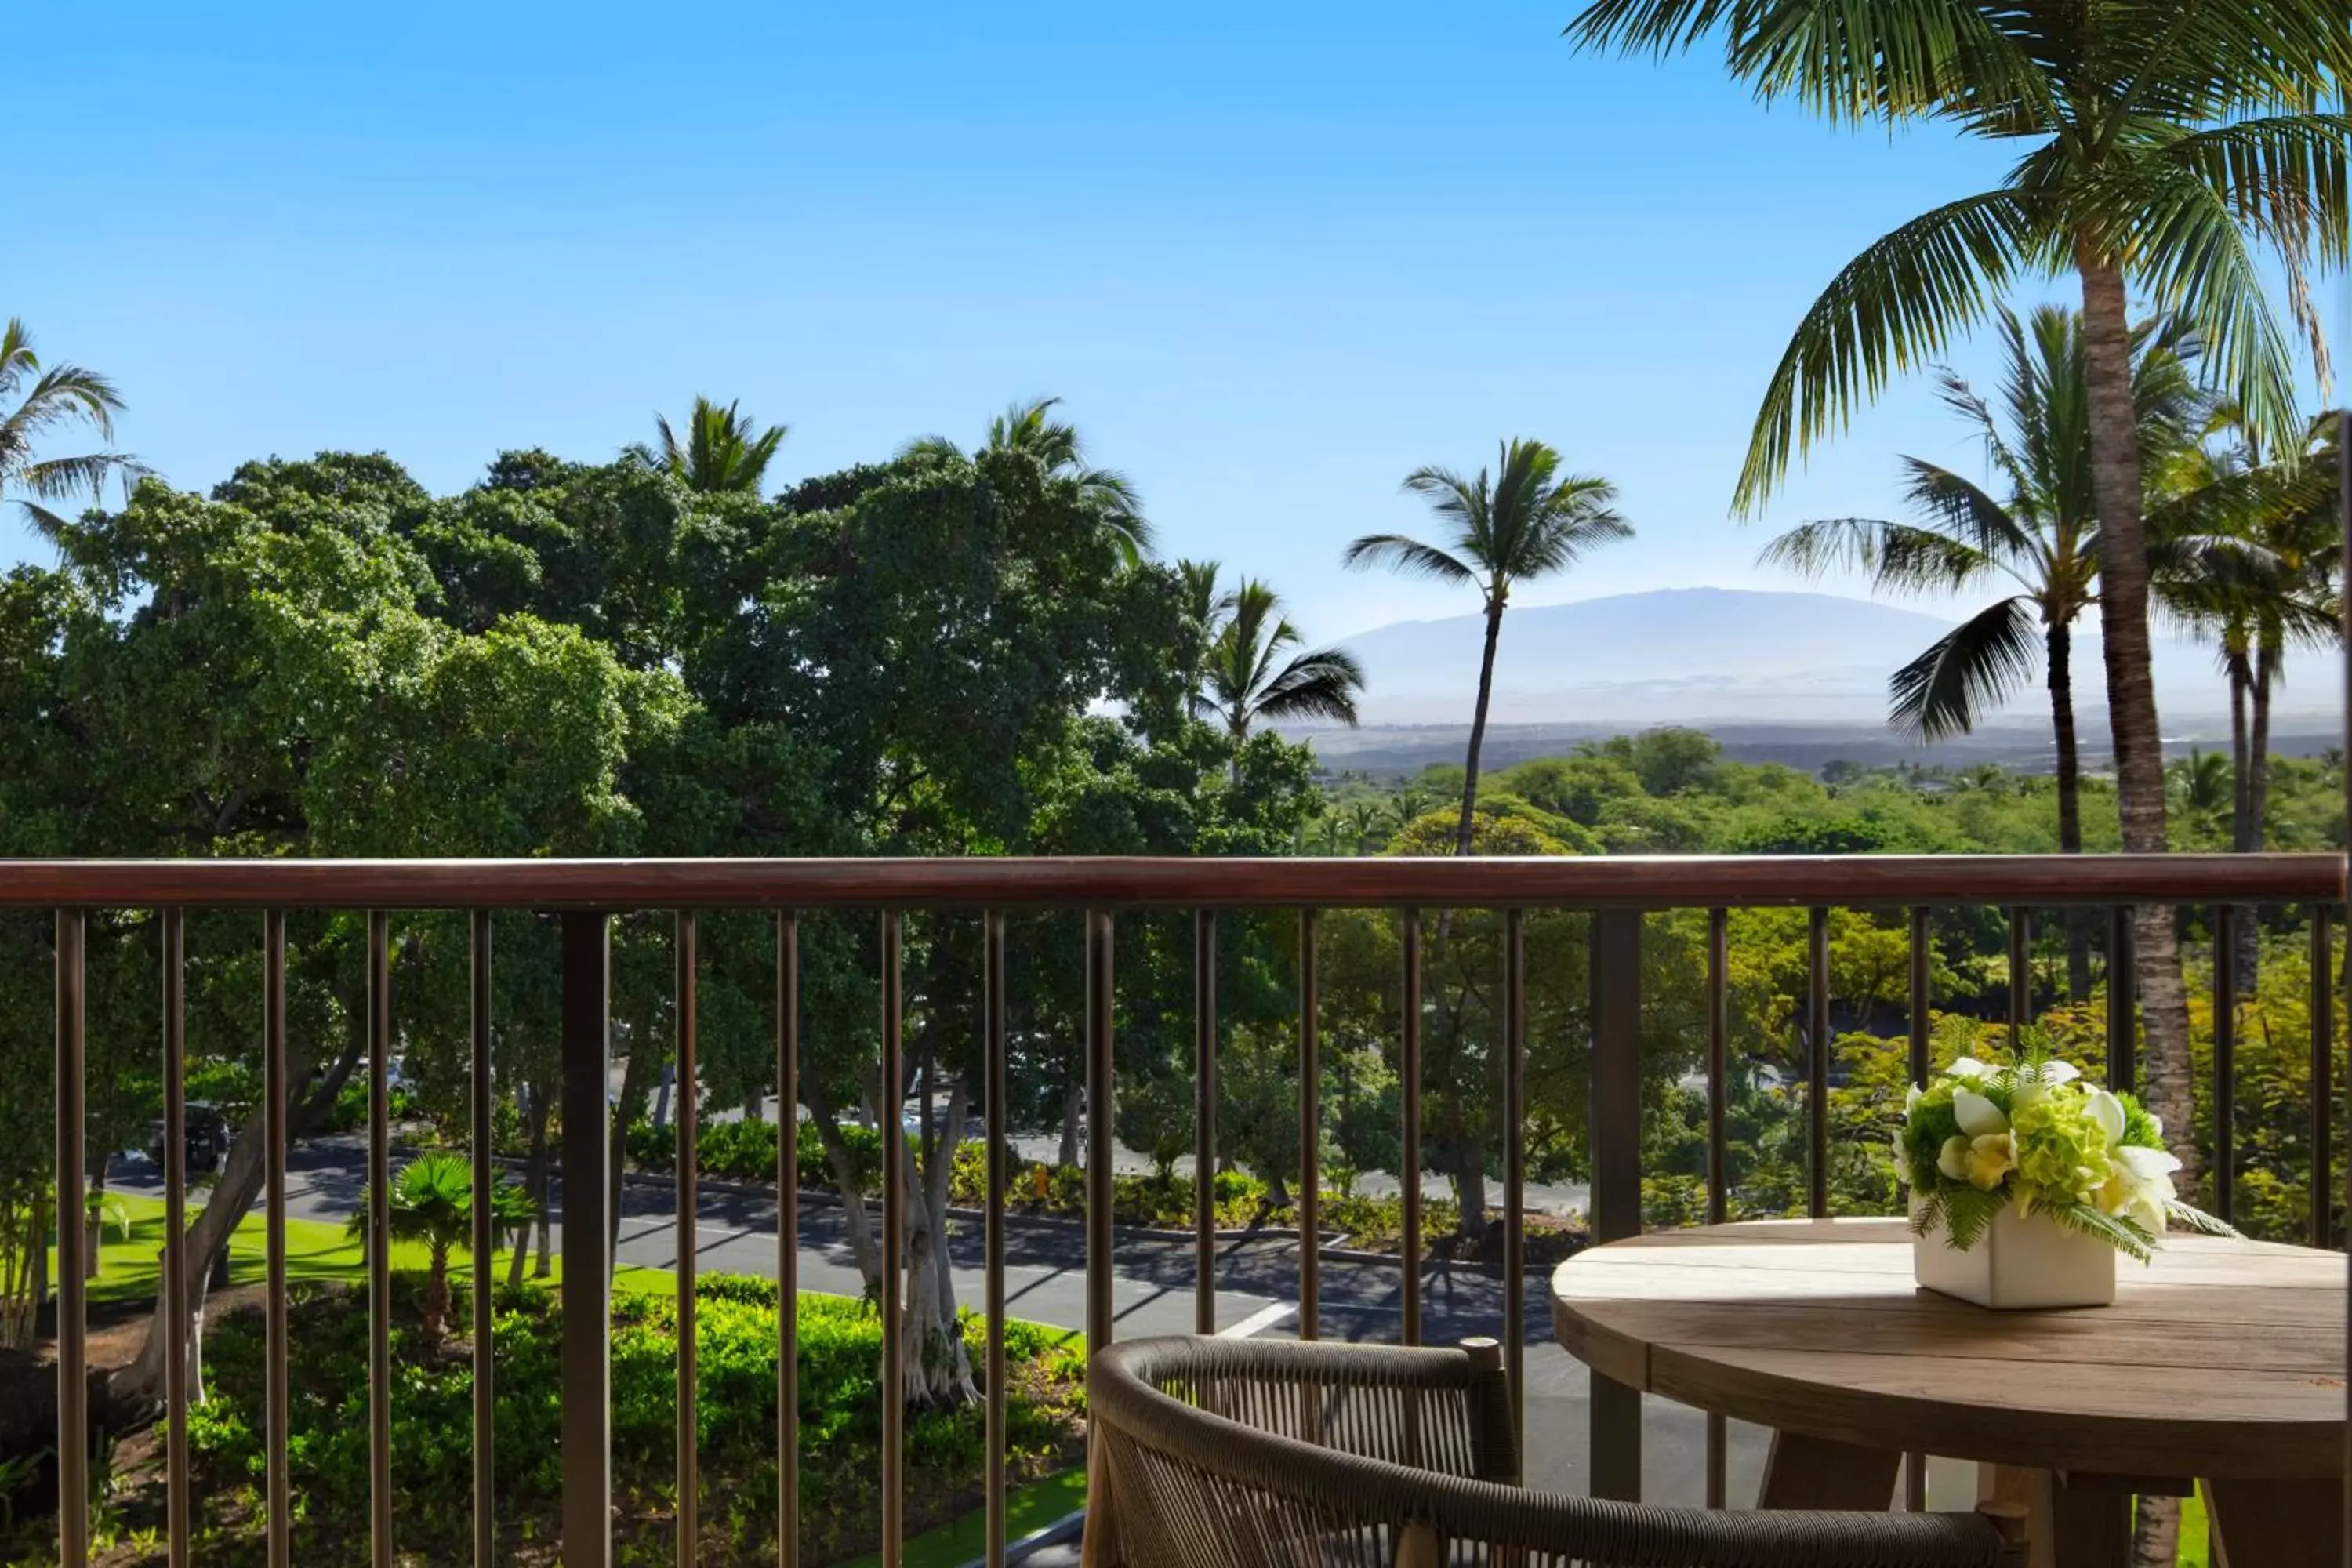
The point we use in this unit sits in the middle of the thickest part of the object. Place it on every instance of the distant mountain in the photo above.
(1696, 656)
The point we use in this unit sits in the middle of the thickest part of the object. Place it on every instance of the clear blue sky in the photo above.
(1274, 258)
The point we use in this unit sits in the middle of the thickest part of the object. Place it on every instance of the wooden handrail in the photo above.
(1126, 883)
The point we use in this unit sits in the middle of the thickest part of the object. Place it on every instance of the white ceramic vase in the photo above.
(2019, 1263)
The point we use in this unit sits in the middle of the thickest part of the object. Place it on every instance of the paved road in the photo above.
(1257, 1291)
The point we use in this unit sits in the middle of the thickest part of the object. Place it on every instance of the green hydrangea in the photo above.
(2062, 1151)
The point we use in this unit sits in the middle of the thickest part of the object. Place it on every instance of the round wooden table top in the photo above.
(2221, 1359)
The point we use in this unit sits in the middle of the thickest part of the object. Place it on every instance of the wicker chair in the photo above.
(1215, 1453)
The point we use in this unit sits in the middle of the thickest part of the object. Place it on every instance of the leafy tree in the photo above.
(724, 449)
(1030, 428)
(1526, 522)
(2042, 542)
(61, 395)
(432, 1200)
(2163, 148)
(1245, 678)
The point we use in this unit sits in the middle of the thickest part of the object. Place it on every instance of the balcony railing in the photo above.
(1615, 892)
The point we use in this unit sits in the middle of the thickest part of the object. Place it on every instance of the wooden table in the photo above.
(2222, 1362)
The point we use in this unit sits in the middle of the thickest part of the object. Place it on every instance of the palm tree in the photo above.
(1245, 678)
(432, 1200)
(1524, 521)
(61, 395)
(1031, 427)
(2042, 542)
(724, 450)
(2168, 149)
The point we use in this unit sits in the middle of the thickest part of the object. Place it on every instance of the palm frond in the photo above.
(1896, 306)
(1318, 685)
(1896, 557)
(1972, 669)
(1406, 554)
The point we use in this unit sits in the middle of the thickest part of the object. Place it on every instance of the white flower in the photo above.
(1952, 1159)
(1978, 1116)
(2108, 1112)
(2139, 1185)
(1990, 1158)
(1911, 1100)
(1968, 1067)
(2057, 1072)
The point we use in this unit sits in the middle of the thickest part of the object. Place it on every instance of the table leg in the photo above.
(2085, 1526)
(2278, 1524)
(1814, 1472)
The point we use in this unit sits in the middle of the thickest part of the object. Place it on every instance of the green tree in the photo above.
(1523, 522)
(1246, 677)
(1030, 428)
(61, 395)
(724, 448)
(2161, 148)
(432, 1200)
(2042, 541)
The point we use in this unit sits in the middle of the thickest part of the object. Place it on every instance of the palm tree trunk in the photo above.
(2138, 745)
(2240, 678)
(2059, 642)
(2245, 833)
(1478, 722)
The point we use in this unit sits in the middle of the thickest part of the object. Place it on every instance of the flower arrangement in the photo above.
(1981, 1137)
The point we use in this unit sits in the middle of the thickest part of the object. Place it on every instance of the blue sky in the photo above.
(1273, 257)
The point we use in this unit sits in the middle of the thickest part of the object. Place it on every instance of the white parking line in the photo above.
(1258, 1323)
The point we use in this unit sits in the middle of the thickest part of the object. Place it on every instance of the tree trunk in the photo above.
(233, 1194)
(2131, 689)
(633, 1095)
(534, 1182)
(1073, 1097)
(938, 1370)
(1469, 1174)
(2256, 793)
(2059, 641)
(1478, 721)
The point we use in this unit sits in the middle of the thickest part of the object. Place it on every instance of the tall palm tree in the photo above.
(1032, 428)
(724, 449)
(1525, 520)
(1246, 677)
(2167, 149)
(61, 395)
(2042, 542)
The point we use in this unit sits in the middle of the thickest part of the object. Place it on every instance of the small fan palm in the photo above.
(432, 1200)
(1245, 677)
(724, 449)
(1524, 520)
(1031, 427)
(61, 395)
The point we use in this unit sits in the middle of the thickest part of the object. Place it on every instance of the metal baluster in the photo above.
(1817, 1066)
(278, 1391)
(2344, 634)
(73, 1243)
(999, 1089)
(1915, 1464)
(1718, 1173)
(2323, 1072)
(1515, 1166)
(788, 1239)
(175, 1237)
(482, 1142)
(2020, 973)
(688, 1111)
(2225, 1060)
(892, 1096)
(1205, 1121)
(1616, 1121)
(1099, 1190)
(2123, 1025)
(1310, 1139)
(1409, 1265)
(379, 1237)
(587, 1432)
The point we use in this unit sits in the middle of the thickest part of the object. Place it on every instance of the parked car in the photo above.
(208, 1136)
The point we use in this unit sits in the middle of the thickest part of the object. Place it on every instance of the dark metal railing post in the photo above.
(1205, 1121)
(1310, 1138)
(1515, 1167)
(379, 1238)
(2225, 1060)
(482, 1142)
(278, 1396)
(892, 1112)
(788, 1239)
(176, 1236)
(1100, 1189)
(2020, 973)
(2123, 1021)
(689, 1191)
(1409, 1068)
(1616, 1013)
(1817, 1065)
(996, 1052)
(1718, 1159)
(73, 1243)
(2323, 1078)
(1915, 1463)
(587, 1250)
